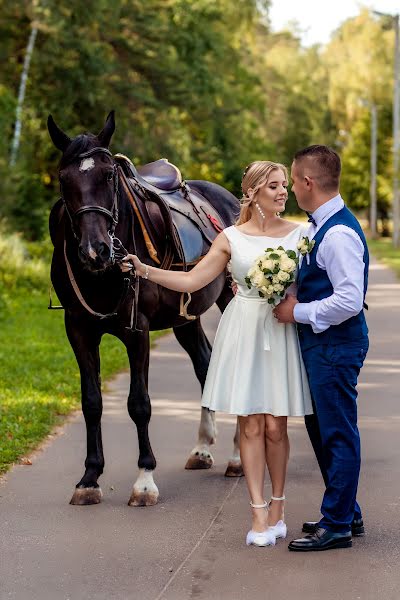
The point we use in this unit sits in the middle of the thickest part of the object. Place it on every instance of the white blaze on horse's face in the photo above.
(92, 253)
(87, 164)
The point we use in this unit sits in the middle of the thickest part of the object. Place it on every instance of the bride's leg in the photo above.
(277, 444)
(252, 454)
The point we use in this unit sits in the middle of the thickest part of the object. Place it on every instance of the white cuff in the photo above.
(301, 313)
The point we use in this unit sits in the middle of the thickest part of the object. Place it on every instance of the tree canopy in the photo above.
(202, 82)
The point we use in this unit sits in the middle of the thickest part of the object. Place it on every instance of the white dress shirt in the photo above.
(340, 254)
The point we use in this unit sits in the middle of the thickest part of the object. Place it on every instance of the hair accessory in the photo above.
(245, 171)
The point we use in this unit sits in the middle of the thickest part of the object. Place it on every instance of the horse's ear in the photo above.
(58, 137)
(105, 134)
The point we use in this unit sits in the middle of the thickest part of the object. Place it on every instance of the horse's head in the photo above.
(89, 189)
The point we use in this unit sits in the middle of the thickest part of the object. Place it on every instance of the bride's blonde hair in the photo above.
(255, 175)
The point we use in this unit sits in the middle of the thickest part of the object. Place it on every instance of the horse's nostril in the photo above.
(104, 251)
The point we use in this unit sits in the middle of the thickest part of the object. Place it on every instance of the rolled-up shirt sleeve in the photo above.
(340, 254)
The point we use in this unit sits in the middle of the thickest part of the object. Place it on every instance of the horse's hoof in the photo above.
(86, 496)
(143, 498)
(199, 460)
(234, 469)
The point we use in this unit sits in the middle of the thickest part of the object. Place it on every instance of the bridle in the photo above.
(111, 214)
(118, 252)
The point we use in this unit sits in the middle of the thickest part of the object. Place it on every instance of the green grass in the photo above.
(383, 250)
(39, 378)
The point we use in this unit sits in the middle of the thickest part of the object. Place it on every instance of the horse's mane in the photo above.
(78, 145)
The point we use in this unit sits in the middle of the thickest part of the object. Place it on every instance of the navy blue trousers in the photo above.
(332, 371)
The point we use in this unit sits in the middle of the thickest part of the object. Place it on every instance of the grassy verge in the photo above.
(383, 250)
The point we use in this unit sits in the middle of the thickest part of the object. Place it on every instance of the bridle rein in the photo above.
(118, 252)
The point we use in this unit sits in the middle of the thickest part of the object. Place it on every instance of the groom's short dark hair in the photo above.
(325, 162)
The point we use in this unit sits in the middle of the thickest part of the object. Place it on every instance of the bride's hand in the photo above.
(132, 261)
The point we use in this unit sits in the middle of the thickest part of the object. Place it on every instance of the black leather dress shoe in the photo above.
(357, 527)
(322, 539)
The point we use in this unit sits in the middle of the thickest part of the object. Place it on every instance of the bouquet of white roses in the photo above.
(272, 273)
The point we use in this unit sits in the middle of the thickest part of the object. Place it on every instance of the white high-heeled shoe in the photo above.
(261, 538)
(280, 528)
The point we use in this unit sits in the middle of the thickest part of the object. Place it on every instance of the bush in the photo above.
(22, 266)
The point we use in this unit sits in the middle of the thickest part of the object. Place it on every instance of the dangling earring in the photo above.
(259, 210)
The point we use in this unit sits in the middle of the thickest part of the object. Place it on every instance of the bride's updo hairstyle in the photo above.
(255, 175)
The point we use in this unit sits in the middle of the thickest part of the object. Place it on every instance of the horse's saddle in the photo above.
(178, 224)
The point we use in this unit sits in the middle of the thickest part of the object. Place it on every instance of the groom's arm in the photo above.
(341, 254)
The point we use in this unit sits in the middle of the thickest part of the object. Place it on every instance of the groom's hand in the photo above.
(284, 311)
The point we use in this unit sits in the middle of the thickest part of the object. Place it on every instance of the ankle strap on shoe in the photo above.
(276, 498)
(259, 505)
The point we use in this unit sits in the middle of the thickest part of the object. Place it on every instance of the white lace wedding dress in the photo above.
(256, 365)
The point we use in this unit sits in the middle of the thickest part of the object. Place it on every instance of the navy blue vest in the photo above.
(313, 284)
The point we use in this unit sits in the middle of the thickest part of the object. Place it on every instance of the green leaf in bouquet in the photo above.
(291, 254)
(274, 256)
(276, 269)
(260, 294)
(248, 282)
(271, 301)
(280, 248)
(269, 250)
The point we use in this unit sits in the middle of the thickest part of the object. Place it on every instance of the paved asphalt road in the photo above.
(191, 545)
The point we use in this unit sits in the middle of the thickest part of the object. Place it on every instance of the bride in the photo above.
(256, 370)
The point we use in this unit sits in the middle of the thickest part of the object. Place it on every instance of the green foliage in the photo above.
(202, 82)
(20, 268)
(360, 64)
(174, 71)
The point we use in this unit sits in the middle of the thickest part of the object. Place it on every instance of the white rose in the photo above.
(268, 264)
(275, 279)
(259, 279)
(302, 247)
(282, 276)
(287, 264)
(278, 287)
(270, 289)
(279, 252)
(252, 271)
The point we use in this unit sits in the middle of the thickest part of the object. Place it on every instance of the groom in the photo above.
(333, 334)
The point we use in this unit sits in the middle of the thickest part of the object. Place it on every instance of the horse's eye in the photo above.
(110, 176)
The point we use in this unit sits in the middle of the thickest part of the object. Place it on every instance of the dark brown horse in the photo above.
(89, 225)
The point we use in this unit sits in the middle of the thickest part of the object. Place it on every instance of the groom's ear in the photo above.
(308, 181)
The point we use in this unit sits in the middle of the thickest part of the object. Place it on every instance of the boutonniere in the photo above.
(305, 245)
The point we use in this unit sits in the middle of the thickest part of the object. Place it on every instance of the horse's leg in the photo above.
(85, 345)
(193, 339)
(234, 468)
(145, 491)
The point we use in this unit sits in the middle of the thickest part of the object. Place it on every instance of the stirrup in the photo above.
(265, 505)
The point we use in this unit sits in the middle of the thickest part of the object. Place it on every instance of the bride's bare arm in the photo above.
(203, 273)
